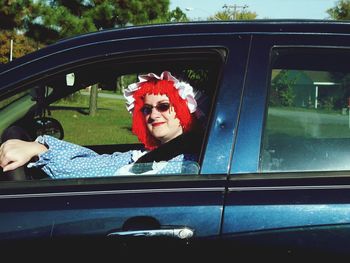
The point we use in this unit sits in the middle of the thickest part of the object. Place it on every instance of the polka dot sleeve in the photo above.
(68, 160)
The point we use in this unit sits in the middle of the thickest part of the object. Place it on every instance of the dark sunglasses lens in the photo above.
(146, 110)
(163, 107)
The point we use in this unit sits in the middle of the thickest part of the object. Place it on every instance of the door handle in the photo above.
(181, 233)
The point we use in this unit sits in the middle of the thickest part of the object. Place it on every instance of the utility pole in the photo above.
(235, 7)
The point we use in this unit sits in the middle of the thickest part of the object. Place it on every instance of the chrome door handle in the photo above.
(181, 233)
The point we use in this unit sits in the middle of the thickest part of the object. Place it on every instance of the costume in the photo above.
(66, 160)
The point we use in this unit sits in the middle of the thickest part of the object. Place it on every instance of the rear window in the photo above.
(307, 124)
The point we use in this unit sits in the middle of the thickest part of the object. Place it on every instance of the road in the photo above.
(311, 116)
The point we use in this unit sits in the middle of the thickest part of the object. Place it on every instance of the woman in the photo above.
(162, 110)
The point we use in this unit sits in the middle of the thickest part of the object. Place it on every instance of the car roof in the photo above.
(197, 27)
(260, 26)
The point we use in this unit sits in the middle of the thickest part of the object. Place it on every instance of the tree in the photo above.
(50, 21)
(341, 11)
(75, 7)
(229, 14)
(13, 13)
(137, 12)
(56, 19)
(13, 20)
(47, 21)
(177, 15)
(21, 45)
(93, 100)
(110, 14)
(282, 91)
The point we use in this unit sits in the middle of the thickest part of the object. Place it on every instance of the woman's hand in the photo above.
(15, 153)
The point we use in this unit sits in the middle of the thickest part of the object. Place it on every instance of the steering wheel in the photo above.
(18, 174)
(21, 173)
(48, 126)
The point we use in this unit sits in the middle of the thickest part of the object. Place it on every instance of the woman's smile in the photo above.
(156, 124)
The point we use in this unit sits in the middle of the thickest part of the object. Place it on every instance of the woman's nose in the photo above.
(154, 112)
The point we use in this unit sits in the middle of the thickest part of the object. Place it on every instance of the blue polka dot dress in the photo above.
(67, 160)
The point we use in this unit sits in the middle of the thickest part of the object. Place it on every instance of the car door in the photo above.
(288, 190)
(184, 207)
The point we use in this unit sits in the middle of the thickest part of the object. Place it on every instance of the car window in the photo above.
(97, 108)
(14, 107)
(307, 125)
(84, 105)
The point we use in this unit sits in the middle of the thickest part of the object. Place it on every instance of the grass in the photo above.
(112, 122)
(110, 125)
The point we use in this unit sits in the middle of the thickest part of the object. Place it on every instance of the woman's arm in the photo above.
(67, 160)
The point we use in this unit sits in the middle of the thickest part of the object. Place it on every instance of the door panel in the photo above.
(300, 209)
(289, 218)
(98, 207)
(83, 212)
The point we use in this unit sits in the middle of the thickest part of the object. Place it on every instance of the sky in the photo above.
(274, 9)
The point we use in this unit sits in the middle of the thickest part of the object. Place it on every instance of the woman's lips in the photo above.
(155, 124)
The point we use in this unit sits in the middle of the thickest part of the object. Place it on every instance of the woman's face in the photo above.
(161, 122)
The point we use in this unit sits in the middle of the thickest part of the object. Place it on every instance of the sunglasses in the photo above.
(161, 107)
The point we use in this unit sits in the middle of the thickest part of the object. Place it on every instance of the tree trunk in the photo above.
(120, 85)
(93, 100)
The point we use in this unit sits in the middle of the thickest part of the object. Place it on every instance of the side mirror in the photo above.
(48, 126)
(70, 79)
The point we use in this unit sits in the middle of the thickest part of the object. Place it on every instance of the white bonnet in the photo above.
(185, 90)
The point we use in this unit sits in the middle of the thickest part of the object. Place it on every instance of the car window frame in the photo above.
(184, 52)
(334, 65)
(246, 156)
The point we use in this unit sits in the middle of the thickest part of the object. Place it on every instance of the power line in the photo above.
(235, 7)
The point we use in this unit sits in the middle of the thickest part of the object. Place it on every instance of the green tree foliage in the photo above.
(56, 19)
(46, 21)
(75, 7)
(231, 14)
(282, 92)
(13, 13)
(21, 45)
(341, 11)
(342, 98)
(177, 15)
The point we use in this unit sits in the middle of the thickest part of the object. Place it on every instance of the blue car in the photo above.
(274, 170)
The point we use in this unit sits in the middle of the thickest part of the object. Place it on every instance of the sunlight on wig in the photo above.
(161, 87)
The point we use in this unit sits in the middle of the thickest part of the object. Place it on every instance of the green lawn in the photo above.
(110, 125)
(112, 122)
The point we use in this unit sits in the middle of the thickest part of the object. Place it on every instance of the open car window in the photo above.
(84, 105)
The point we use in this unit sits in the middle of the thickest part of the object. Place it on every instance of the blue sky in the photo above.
(274, 9)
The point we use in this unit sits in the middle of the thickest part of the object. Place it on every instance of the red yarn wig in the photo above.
(161, 87)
